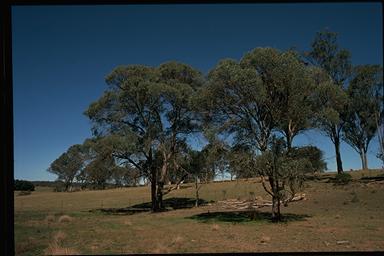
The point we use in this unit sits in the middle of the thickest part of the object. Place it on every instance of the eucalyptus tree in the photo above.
(234, 102)
(365, 111)
(199, 170)
(267, 91)
(127, 111)
(146, 114)
(68, 165)
(241, 162)
(332, 105)
(336, 64)
(285, 173)
(99, 162)
(289, 88)
(178, 83)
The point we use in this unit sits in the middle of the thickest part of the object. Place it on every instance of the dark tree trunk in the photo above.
(153, 190)
(289, 141)
(159, 198)
(275, 199)
(276, 216)
(338, 155)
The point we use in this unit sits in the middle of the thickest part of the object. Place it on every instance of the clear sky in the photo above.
(61, 55)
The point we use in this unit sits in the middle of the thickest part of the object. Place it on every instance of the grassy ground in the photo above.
(68, 223)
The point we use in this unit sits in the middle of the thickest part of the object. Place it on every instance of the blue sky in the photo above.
(61, 55)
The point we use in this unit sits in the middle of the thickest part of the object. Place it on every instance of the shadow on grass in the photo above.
(169, 204)
(246, 216)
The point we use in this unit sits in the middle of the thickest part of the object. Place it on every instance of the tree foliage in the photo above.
(365, 110)
(68, 165)
(285, 173)
(151, 107)
(335, 70)
(268, 90)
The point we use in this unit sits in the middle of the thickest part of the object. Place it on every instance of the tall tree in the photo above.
(235, 102)
(177, 84)
(267, 91)
(127, 110)
(289, 86)
(336, 63)
(365, 109)
(68, 165)
(147, 111)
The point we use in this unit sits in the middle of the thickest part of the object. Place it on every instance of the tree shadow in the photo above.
(246, 216)
(173, 203)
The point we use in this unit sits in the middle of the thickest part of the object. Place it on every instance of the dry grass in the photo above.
(326, 220)
(64, 219)
(59, 236)
(25, 246)
(265, 239)
(161, 248)
(127, 222)
(215, 227)
(177, 240)
(50, 218)
(56, 248)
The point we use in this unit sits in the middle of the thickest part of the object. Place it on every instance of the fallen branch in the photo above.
(254, 204)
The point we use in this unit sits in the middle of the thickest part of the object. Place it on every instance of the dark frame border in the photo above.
(6, 105)
(6, 133)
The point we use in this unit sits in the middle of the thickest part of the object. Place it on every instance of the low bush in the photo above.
(343, 178)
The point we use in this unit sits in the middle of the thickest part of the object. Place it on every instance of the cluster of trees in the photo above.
(250, 112)
(23, 185)
(92, 165)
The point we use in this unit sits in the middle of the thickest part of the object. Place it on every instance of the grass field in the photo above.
(333, 218)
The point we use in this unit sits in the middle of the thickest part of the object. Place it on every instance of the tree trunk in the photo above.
(338, 156)
(159, 198)
(275, 209)
(153, 190)
(197, 193)
(160, 184)
(289, 141)
(364, 160)
(275, 199)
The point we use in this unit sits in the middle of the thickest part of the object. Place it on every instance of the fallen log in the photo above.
(254, 204)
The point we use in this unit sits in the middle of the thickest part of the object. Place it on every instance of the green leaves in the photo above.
(69, 164)
(267, 90)
(326, 54)
(365, 108)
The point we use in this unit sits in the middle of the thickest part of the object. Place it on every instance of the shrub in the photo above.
(313, 154)
(343, 178)
(23, 185)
